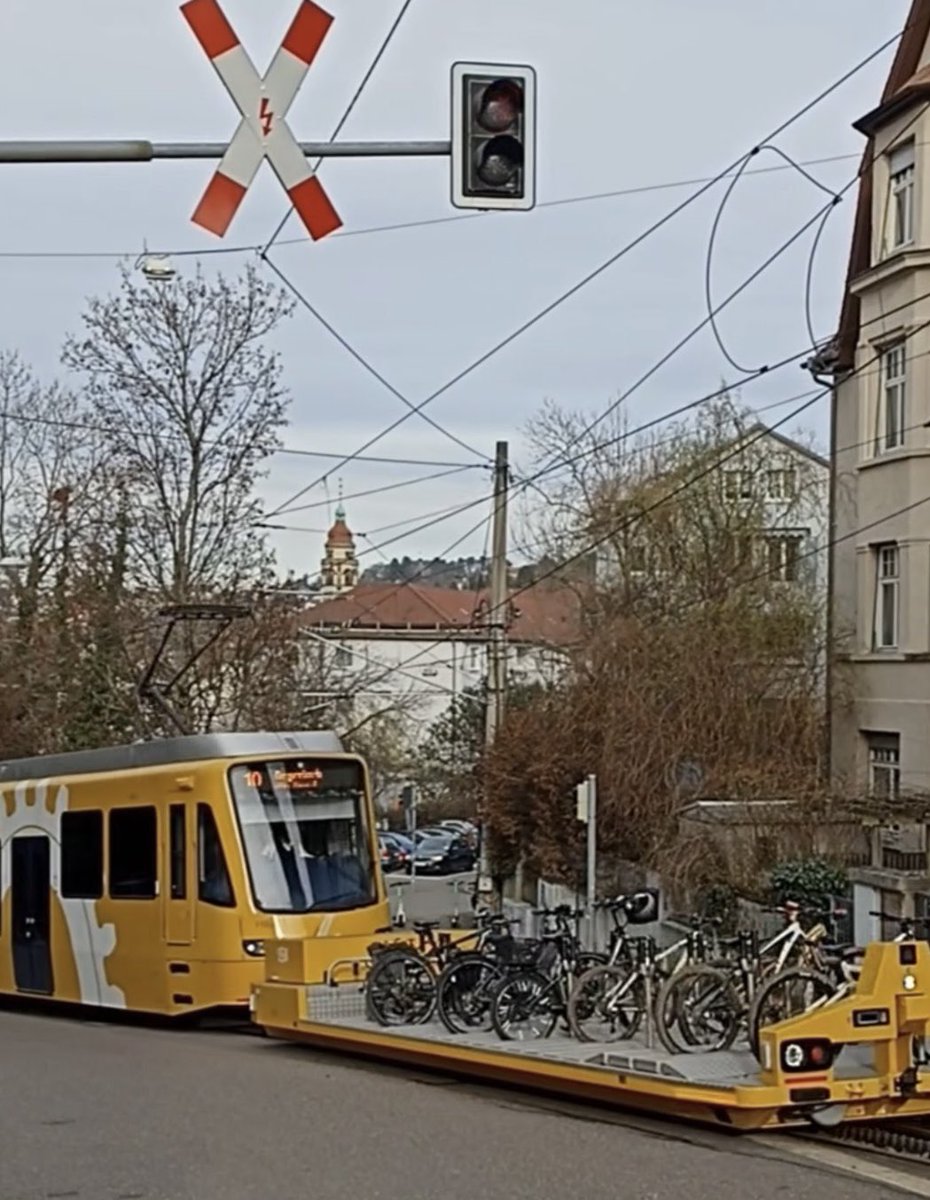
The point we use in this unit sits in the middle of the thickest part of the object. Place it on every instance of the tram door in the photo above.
(179, 911)
(30, 880)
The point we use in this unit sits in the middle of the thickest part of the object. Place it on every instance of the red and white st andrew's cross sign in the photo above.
(263, 103)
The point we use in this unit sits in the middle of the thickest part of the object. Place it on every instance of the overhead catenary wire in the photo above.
(611, 260)
(29, 418)
(256, 247)
(809, 397)
(766, 368)
(717, 465)
(387, 487)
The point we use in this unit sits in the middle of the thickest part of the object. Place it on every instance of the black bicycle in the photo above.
(528, 1004)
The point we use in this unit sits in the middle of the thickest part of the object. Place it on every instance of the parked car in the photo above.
(465, 829)
(443, 854)
(402, 846)
(392, 857)
(429, 831)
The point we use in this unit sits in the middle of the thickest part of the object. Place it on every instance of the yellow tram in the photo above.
(148, 877)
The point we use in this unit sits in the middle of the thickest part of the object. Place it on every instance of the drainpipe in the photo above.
(813, 365)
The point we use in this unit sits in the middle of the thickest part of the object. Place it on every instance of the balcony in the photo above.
(914, 862)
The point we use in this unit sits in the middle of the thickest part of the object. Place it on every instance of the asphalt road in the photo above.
(116, 1112)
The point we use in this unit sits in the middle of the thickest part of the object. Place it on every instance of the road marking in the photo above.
(846, 1161)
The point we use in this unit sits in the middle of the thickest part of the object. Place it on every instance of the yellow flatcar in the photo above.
(147, 877)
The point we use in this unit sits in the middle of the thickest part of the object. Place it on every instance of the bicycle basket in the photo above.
(516, 952)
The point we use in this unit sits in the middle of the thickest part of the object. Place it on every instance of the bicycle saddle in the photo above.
(425, 926)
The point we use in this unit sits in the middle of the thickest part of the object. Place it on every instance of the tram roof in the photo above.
(164, 751)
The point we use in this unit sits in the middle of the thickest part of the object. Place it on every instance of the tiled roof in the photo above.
(904, 82)
(541, 614)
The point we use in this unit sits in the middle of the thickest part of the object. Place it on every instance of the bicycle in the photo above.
(704, 1006)
(609, 1002)
(530, 1002)
(800, 990)
(401, 985)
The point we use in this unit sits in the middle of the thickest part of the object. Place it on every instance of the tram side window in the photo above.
(214, 885)
(82, 855)
(133, 853)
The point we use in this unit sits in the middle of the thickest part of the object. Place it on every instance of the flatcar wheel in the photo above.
(400, 989)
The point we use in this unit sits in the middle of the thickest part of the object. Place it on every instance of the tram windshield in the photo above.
(305, 831)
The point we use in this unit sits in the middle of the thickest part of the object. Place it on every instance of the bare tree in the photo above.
(179, 378)
(701, 656)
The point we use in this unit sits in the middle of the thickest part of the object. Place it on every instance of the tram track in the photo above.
(905, 1141)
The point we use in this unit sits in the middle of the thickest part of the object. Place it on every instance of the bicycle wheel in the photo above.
(400, 989)
(525, 1007)
(607, 1004)
(698, 1009)
(785, 995)
(464, 992)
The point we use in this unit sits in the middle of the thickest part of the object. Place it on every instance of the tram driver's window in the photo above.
(214, 885)
(133, 853)
(82, 855)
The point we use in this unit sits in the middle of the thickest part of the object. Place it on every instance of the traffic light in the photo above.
(493, 136)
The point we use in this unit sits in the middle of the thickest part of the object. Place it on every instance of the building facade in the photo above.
(879, 364)
(420, 647)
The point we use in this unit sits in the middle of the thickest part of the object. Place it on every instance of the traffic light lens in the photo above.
(501, 106)
(499, 161)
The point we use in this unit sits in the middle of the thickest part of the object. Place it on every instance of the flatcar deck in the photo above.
(869, 1075)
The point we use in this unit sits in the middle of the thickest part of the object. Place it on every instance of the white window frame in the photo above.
(884, 765)
(783, 552)
(901, 184)
(892, 400)
(781, 483)
(887, 596)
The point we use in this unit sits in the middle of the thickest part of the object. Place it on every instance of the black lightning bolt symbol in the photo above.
(266, 116)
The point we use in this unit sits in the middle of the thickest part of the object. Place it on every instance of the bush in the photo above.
(811, 881)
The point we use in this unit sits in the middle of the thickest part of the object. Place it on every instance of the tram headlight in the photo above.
(254, 948)
(807, 1054)
(910, 983)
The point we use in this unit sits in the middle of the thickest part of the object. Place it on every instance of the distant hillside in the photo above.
(465, 573)
(468, 574)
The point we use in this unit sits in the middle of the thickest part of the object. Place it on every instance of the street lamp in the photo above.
(157, 268)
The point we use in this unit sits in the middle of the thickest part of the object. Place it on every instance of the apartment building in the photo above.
(879, 364)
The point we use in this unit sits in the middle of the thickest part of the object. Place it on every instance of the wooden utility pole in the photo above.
(497, 631)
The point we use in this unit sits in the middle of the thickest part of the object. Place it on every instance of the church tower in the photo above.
(339, 566)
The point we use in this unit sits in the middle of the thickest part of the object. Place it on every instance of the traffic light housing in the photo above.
(493, 136)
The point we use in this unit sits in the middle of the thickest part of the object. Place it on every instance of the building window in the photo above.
(781, 483)
(133, 853)
(884, 765)
(343, 656)
(890, 432)
(901, 169)
(783, 553)
(887, 593)
(82, 855)
(738, 485)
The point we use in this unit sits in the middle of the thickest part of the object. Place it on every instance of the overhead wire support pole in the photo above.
(497, 634)
(139, 150)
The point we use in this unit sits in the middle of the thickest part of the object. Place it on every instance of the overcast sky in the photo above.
(630, 95)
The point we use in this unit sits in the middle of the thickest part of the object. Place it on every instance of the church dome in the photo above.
(340, 534)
